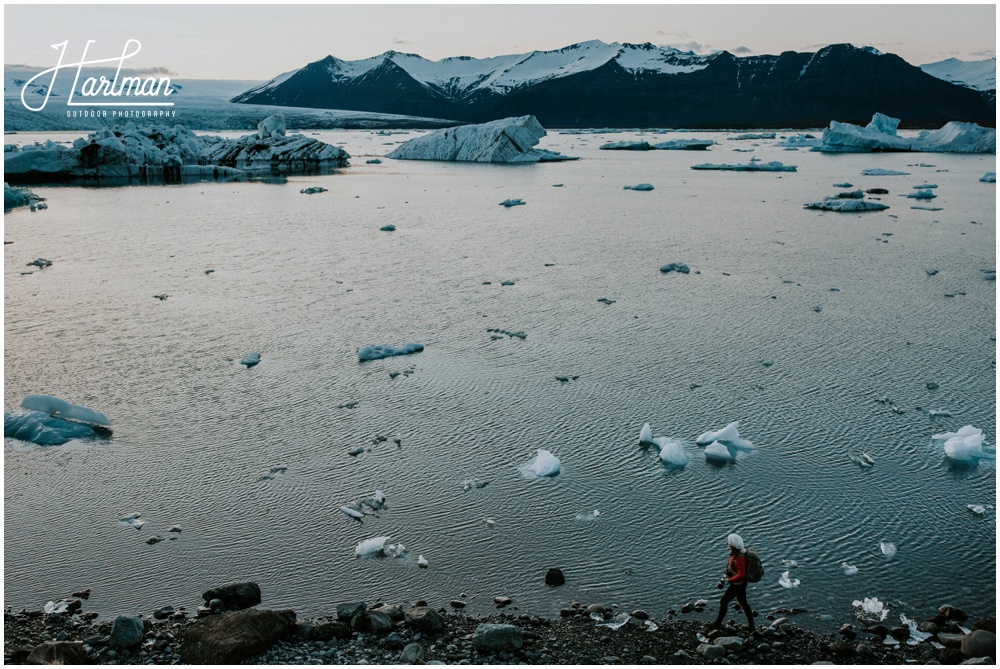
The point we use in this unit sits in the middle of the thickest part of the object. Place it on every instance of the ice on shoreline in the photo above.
(508, 140)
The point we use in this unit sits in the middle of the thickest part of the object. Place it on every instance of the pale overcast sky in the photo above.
(259, 42)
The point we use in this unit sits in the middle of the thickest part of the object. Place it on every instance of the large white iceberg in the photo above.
(880, 135)
(375, 352)
(966, 445)
(163, 152)
(508, 140)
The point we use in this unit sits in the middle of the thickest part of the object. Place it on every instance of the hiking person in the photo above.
(736, 577)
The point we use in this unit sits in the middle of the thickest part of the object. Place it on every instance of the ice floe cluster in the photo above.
(881, 135)
(164, 152)
(724, 445)
(508, 140)
(671, 451)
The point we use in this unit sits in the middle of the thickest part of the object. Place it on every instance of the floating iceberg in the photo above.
(587, 516)
(671, 452)
(170, 153)
(388, 228)
(843, 185)
(755, 135)
(849, 569)
(684, 145)
(313, 190)
(22, 197)
(882, 172)
(773, 166)
(376, 352)
(730, 434)
(422, 563)
(851, 195)
(373, 161)
(373, 546)
(989, 177)
(133, 520)
(675, 267)
(42, 429)
(888, 548)
(639, 187)
(274, 471)
(966, 445)
(870, 609)
(508, 140)
(717, 452)
(880, 135)
(627, 146)
(59, 408)
(512, 202)
(786, 582)
(250, 360)
(352, 512)
(645, 434)
(800, 140)
(846, 205)
(542, 465)
(922, 194)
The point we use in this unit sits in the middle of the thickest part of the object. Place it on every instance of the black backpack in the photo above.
(755, 569)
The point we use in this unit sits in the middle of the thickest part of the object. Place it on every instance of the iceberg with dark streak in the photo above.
(508, 140)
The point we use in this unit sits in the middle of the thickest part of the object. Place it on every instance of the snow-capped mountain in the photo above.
(598, 84)
(980, 75)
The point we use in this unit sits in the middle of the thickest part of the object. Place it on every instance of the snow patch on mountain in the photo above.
(980, 75)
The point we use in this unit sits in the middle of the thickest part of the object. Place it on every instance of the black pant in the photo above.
(737, 591)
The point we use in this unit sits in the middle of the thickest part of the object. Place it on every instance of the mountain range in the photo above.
(593, 84)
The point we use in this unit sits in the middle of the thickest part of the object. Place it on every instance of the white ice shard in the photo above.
(422, 563)
(272, 126)
(373, 546)
(916, 636)
(60, 408)
(45, 430)
(846, 205)
(508, 140)
(870, 609)
(378, 500)
(849, 569)
(716, 452)
(989, 177)
(616, 622)
(888, 548)
(544, 464)
(772, 166)
(977, 509)
(250, 359)
(730, 434)
(639, 187)
(786, 582)
(966, 445)
(789, 563)
(352, 512)
(939, 413)
(646, 434)
(684, 145)
(375, 352)
(626, 145)
(269, 476)
(880, 135)
(55, 607)
(671, 452)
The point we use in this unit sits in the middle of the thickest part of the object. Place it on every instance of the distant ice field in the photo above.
(795, 323)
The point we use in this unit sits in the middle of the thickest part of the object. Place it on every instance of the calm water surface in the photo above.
(792, 322)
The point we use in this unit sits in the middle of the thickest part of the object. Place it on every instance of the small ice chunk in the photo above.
(846, 205)
(730, 434)
(373, 161)
(716, 452)
(646, 434)
(394, 549)
(977, 509)
(489, 521)
(313, 190)
(989, 177)
(388, 228)
(616, 622)
(651, 626)
(422, 562)
(512, 202)
(849, 569)
(789, 563)
(672, 452)
(786, 582)
(587, 516)
(280, 469)
(627, 146)
(852, 195)
(53, 607)
(45, 430)
(352, 512)
(469, 484)
(542, 465)
(373, 546)
(924, 194)
(916, 636)
(942, 413)
(250, 360)
(882, 172)
(675, 267)
(375, 352)
(134, 520)
(870, 609)
(843, 185)
(639, 187)
(888, 548)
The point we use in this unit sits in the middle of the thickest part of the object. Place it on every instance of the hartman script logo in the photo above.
(113, 92)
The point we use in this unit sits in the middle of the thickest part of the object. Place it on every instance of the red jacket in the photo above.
(738, 569)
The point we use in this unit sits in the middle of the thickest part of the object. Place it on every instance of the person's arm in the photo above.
(740, 569)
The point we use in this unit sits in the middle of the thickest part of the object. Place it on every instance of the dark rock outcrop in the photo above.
(424, 619)
(58, 652)
(232, 637)
(491, 638)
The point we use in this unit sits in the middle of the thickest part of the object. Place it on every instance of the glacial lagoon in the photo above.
(824, 334)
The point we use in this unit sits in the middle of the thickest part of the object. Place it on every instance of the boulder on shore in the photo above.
(979, 643)
(232, 637)
(238, 595)
(491, 638)
(424, 619)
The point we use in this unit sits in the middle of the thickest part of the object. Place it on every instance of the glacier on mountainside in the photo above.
(508, 140)
(158, 152)
(880, 135)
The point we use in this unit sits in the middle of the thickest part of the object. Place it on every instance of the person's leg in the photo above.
(724, 604)
(741, 597)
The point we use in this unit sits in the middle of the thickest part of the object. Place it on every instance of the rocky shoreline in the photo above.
(228, 629)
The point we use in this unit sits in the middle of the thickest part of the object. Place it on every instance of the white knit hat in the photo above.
(736, 541)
